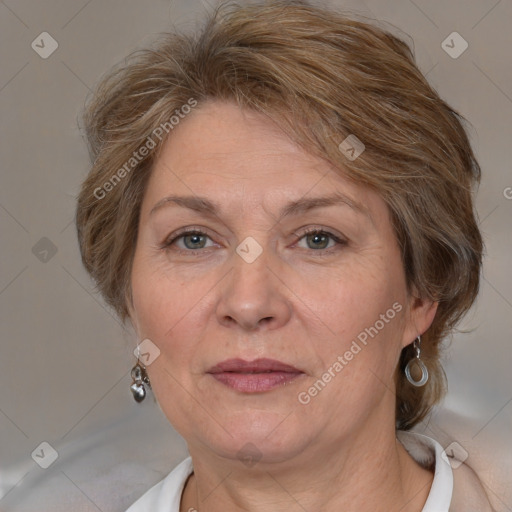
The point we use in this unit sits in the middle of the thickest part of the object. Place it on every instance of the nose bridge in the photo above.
(252, 261)
(253, 295)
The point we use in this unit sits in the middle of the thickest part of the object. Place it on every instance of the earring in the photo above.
(417, 361)
(139, 378)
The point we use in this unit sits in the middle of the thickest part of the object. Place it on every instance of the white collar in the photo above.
(425, 451)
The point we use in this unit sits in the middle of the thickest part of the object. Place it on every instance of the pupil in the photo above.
(317, 237)
(194, 238)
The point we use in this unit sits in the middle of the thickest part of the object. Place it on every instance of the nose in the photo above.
(253, 296)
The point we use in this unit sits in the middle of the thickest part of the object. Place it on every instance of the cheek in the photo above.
(159, 300)
(362, 311)
(170, 312)
(351, 297)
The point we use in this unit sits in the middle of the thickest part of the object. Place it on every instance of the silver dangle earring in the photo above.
(419, 363)
(139, 377)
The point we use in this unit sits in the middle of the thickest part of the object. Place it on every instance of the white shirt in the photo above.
(165, 496)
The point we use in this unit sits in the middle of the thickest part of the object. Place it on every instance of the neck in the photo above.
(368, 473)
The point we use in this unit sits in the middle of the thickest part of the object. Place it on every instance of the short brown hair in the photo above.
(322, 76)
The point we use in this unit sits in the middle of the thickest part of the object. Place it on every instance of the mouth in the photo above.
(254, 376)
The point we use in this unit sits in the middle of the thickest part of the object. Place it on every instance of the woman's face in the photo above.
(254, 285)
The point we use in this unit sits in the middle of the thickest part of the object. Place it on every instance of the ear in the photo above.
(420, 315)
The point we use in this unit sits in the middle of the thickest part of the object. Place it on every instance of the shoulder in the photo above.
(456, 487)
(165, 496)
(468, 492)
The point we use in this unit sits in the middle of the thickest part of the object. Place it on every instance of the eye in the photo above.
(318, 239)
(192, 239)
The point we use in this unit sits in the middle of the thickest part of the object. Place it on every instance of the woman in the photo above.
(281, 206)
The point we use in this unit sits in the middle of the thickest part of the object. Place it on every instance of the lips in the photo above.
(256, 366)
(254, 376)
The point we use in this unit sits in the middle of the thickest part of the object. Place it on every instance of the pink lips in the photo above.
(254, 376)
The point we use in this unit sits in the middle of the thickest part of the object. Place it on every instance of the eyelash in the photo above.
(311, 231)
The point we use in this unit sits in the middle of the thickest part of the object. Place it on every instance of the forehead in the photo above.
(233, 143)
(241, 157)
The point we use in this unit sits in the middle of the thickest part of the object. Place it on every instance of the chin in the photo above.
(258, 436)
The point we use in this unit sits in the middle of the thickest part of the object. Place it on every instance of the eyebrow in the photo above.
(302, 205)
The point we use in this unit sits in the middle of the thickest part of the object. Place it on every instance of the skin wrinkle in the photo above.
(198, 313)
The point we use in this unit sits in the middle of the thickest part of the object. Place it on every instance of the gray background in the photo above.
(65, 359)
